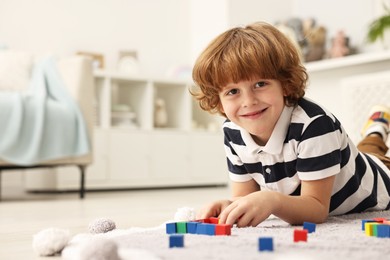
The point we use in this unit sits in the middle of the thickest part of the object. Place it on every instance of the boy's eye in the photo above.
(232, 92)
(260, 84)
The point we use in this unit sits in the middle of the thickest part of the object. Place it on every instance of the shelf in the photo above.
(348, 61)
(142, 96)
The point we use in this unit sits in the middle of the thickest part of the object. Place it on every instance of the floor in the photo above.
(21, 216)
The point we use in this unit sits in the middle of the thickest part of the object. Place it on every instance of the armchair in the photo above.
(77, 76)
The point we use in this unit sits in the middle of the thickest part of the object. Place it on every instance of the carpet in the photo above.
(341, 237)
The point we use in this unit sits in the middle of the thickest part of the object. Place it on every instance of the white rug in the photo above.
(340, 238)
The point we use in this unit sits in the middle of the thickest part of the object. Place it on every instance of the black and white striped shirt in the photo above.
(309, 143)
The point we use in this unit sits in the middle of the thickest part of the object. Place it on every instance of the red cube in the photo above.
(300, 235)
(223, 230)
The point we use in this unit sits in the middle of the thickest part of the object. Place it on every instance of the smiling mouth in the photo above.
(254, 114)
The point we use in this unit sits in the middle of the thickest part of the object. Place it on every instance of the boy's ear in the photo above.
(285, 94)
(220, 108)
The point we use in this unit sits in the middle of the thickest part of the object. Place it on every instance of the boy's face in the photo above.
(254, 105)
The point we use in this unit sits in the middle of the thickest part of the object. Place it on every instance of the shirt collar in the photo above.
(275, 143)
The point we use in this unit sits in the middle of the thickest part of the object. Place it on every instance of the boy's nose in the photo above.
(249, 99)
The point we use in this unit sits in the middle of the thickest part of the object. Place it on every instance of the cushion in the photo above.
(15, 70)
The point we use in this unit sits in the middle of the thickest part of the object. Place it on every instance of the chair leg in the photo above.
(0, 185)
(82, 180)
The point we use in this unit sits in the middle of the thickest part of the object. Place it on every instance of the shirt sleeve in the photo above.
(319, 150)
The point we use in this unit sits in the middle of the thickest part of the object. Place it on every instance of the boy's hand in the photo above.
(213, 209)
(249, 210)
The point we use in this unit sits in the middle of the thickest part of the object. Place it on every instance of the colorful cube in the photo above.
(223, 230)
(266, 244)
(191, 227)
(379, 220)
(213, 220)
(205, 229)
(364, 221)
(176, 241)
(300, 235)
(181, 227)
(310, 227)
(170, 228)
(382, 231)
(369, 228)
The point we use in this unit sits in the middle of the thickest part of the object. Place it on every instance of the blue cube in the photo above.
(310, 227)
(205, 229)
(176, 241)
(191, 227)
(383, 230)
(170, 228)
(266, 244)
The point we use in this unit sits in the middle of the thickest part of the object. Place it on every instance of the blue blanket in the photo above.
(42, 124)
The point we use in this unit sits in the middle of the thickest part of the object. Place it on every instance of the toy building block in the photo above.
(223, 230)
(213, 220)
(203, 220)
(201, 228)
(176, 241)
(369, 228)
(310, 227)
(170, 228)
(266, 244)
(382, 230)
(379, 220)
(364, 221)
(181, 227)
(205, 229)
(191, 227)
(300, 235)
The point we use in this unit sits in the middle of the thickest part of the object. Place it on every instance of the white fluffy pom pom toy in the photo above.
(185, 214)
(101, 225)
(50, 241)
(99, 248)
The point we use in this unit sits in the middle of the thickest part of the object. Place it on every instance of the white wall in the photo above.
(242, 12)
(166, 34)
(158, 30)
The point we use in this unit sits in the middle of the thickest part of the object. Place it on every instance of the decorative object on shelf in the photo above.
(340, 45)
(293, 29)
(160, 113)
(378, 28)
(316, 40)
(97, 58)
(306, 35)
(128, 62)
(123, 116)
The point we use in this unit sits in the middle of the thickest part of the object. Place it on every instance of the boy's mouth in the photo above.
(254, 114)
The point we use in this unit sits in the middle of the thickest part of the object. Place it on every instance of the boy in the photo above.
(286, 155)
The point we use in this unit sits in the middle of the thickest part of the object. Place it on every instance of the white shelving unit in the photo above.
(188, 151)
(326, 76)
(184, 152)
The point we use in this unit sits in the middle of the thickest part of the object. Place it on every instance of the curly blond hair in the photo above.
(244, 53)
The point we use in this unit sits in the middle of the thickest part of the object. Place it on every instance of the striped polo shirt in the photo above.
(309, 143)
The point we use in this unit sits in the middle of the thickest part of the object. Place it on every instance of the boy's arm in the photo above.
(312, 205)
(240, 189)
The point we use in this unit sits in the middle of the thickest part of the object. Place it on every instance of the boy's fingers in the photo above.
(223, 217)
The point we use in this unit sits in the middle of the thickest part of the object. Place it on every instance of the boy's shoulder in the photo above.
(309, 108)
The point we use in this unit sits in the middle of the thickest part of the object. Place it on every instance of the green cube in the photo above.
(181, 227)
